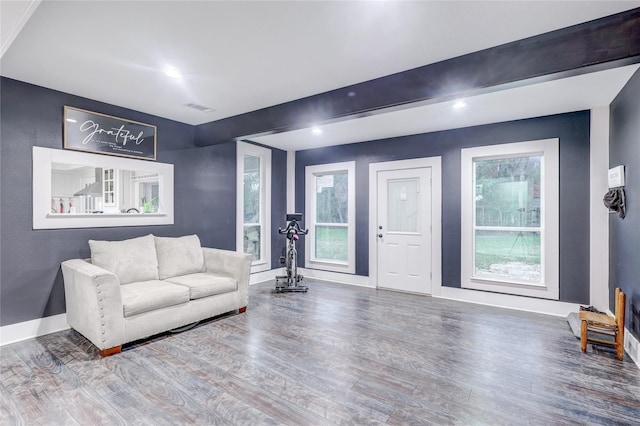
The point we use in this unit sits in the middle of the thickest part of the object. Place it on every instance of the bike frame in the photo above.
(291, 280)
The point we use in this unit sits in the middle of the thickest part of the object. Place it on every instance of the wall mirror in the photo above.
(80, 190)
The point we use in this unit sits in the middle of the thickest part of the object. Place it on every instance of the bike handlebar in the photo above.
(295, 227)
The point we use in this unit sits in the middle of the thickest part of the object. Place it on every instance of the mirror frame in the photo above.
(44, 219)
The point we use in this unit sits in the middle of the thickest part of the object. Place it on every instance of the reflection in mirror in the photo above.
(81, 189)
(74, 189)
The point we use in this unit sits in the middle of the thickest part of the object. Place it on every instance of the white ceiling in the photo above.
(239, 56)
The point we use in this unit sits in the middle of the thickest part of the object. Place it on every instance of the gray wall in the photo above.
(31, 283)
(573, 132)
(624, 234)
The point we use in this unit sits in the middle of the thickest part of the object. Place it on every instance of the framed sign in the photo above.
(105, 134)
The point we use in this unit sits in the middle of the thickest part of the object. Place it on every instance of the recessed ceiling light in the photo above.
(316, 131)
(172, 72)
(459, 104)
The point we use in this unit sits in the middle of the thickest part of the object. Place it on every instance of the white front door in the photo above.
(404, 229)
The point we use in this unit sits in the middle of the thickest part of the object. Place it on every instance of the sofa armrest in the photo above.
(94, 303)
(231, 264)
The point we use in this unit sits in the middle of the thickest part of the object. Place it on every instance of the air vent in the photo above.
(200, 108)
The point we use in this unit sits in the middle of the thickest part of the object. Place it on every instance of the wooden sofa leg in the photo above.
(111, 351)
(583, 335)
(242, 310)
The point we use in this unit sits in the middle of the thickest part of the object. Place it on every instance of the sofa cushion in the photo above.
(179, 256)
(130, 260)
(203, 285)
(145, 296)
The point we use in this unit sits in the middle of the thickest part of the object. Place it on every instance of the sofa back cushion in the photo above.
(131, 260)
(179, 256)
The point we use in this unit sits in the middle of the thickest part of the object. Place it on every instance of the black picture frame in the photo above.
(105, 134)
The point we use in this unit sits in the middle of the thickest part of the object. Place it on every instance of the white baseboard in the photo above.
(260, 277)
(631, 346)
(336, 277)
(314, 274)
(29, 329)
(530, 304)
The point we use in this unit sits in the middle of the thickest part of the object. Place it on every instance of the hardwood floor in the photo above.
(335, 355)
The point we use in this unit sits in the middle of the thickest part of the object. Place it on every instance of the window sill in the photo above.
(543, 291)
(498, 281)
(101, 215)
(330, 266)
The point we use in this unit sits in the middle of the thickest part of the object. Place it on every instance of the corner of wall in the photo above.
(599, 216)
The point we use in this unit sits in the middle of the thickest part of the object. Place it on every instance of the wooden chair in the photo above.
(604, 325)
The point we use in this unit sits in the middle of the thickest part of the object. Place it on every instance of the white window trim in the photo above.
(264, 264)
(310, 222)
(42, 217)
(549, 287)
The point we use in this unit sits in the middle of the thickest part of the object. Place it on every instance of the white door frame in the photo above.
(436, 215)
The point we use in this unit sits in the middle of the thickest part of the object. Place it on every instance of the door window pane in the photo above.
(403, 201)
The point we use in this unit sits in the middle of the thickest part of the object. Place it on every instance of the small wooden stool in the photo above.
(604, 325)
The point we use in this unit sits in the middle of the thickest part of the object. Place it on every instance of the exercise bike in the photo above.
(291, 280)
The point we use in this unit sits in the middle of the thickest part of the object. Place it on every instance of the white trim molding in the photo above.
(30, 329)
(18, 15)
(336, 277)
(631, 346)
(263, 276)
(599, 215)
(509, 301)
(264, 154)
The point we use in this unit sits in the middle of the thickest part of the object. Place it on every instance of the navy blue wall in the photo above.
(31, 283)
(624, 234)
(573, 132)
(278, 203)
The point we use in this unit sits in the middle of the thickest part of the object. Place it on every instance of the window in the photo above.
(254, 204)
(330, 217)
(510, 218)
(80, 190)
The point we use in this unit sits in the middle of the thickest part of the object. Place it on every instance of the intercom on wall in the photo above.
(616, 177)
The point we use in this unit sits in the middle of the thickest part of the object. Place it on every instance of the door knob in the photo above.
(379, 235)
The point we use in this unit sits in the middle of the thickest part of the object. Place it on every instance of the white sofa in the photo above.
(136, 288)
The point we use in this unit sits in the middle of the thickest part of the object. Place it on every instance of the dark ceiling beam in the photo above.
(604, 43)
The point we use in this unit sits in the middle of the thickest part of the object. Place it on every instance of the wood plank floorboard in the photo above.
(337, 355)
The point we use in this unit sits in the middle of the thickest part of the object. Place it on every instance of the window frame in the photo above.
(548, 149)
(311, 261)
(243, 148)
(43, 159)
